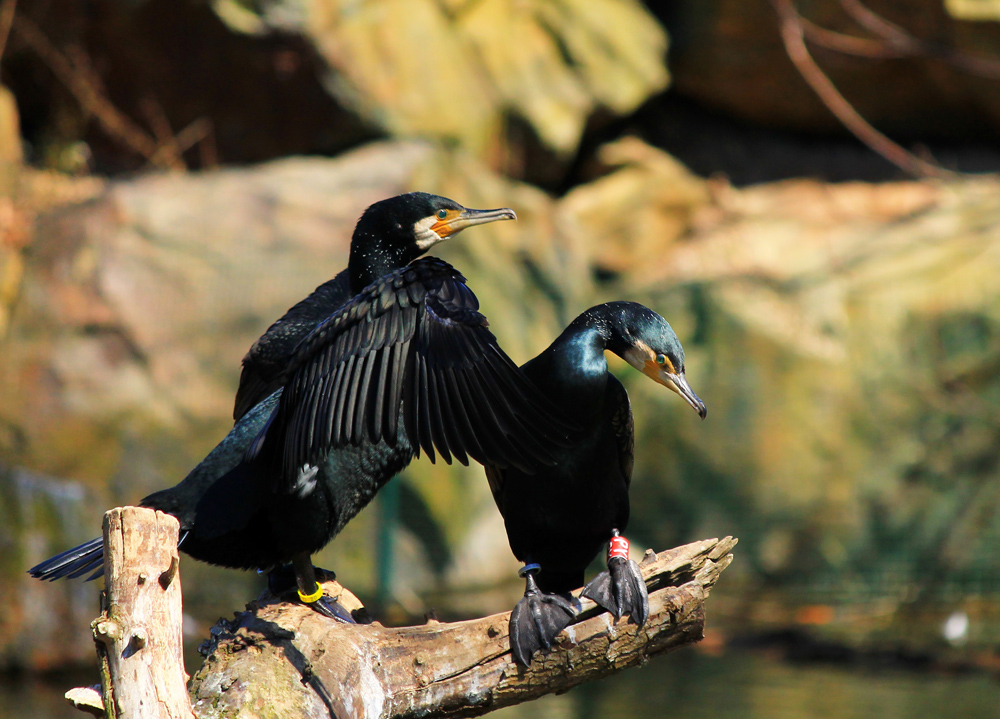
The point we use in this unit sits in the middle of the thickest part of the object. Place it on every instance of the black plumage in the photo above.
(409, 357)
(389, 234)
(408, 365)
(558, 520)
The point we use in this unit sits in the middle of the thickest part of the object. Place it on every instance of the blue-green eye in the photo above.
(442, 214)
(661, 359)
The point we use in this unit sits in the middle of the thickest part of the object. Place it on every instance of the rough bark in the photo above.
(282, 659)
(138, 635)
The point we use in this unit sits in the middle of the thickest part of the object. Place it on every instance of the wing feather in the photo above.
(376, 410)
(339, 438)
(411, 348)
(400, 353)
(424, 427)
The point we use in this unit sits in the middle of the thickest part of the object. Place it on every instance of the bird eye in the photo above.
(661, 359)
(442, 214)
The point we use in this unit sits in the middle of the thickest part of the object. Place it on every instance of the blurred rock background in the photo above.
(176, 174)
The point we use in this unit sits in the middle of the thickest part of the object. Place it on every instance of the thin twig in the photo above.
(793, 36)
(877, 25)
(75, 76)
(175, 146)
(208, 153)
(908, 45)
(197, 131)
(167, 150)
(848, 44)
(888, 49)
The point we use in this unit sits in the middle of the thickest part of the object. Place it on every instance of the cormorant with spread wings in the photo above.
(407, 366)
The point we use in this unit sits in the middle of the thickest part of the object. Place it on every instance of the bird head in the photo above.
(654, 350)
(402, 228)
(438, 218)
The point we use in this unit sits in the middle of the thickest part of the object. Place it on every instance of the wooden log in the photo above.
(139, 633)
(283, 659)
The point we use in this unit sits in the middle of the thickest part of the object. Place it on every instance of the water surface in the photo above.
(686, 685)
(752, 685)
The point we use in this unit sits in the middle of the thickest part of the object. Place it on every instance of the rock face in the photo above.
(844, 337)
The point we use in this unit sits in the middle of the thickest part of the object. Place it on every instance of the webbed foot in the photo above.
(329, 608)
(621, 590)
(301, 576)
(537, 619)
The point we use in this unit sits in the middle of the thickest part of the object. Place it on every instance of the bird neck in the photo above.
(600, 328)
(374, 255)
(576, 368)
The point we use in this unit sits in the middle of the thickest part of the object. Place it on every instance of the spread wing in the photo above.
(623, 426)
(412, 350)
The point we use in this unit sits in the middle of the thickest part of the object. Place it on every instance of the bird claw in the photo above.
(332, 609)
(621, 590)
(536, 621)
(281, 580)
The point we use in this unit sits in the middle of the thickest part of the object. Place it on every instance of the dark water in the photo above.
(744, 685)
(688, 685)
(27, 696)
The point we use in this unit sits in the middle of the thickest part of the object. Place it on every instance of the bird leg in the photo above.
(311, 593)
(537, 618)
(621, 590)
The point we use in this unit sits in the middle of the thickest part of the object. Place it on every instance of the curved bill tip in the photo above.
(685, 391)
(701, 408)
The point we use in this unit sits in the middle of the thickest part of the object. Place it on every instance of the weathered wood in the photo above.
(282, 659)
(139, 633)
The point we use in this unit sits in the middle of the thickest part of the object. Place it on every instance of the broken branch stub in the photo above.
(139, 633)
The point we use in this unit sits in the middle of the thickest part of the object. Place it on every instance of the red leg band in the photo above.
(618, 547)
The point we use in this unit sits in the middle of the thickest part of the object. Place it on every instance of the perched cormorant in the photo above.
(390, 234)
(412, 346)
(558, 519)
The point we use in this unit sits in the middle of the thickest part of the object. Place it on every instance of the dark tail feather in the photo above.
(73, 563)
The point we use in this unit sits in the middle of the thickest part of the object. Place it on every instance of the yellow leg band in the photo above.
(310, 598)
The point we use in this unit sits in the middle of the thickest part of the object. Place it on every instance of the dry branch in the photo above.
(793, 33)
(74, 70)
(138, 635)
(282, 659)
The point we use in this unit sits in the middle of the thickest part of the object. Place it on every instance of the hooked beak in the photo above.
(641, 359)
(467, 218)
(679, 384)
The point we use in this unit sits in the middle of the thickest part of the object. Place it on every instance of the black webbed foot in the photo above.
(621, 590)
(331, 609)
(537, 619)
(301, 573)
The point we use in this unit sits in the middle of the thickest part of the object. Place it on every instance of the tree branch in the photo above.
(282, 659)
(138, 635)
(793, 36)
(74, 71)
